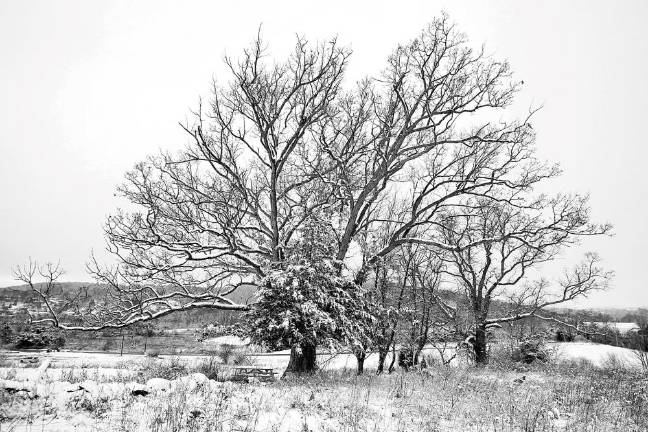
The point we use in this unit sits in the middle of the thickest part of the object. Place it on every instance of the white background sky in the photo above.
(87, 89)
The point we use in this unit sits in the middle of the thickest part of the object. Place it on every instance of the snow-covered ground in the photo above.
(229, 340)
(597, 354)
(110, 392)
(621, 327)
(110, 364)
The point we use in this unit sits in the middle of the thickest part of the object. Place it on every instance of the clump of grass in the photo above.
(179, 412)
(226, 352)
(153, 353)
(211, 368)
(74, 375)
(4, 360)
(10, 374)
(95, 406)
(170, 369)
(612, 365)
(232, 355)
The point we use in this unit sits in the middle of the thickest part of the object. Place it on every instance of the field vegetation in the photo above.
(196, 394)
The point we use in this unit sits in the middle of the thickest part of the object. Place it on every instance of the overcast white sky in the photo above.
(87, 89)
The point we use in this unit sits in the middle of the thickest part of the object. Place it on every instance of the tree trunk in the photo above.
(361, 359)
(420, 345)
(479, 345)
(303, 359)
(382, 356)
(393, 360)
(406, 358)
(417, 355)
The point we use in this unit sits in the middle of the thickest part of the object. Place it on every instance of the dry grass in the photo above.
(566, 396)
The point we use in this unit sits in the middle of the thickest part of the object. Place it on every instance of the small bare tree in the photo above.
(421, 313)
(524, 235)
(54, 301)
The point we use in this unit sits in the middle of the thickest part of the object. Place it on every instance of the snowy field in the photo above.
(65, 391)
(109, 364)
(597, 354)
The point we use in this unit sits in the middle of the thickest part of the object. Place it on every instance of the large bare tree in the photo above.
(282, 141)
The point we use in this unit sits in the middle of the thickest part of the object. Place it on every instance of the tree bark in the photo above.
(480, 345)
(406, 358)
(382, 356)
(417, 355)
(303, 360)
(393, 360)
(361, 359)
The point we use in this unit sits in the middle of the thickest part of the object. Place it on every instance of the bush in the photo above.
(211, 368)
(226, 353)
(213, 330)
(96, 407)
(107, 345)
(40, 338)
(529, 351)
(230, 354)
(564, 336)
(406, 358)
(153, 352)
(612, 364)
(240, 358)
(6, 333)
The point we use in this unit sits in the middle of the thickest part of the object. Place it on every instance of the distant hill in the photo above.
(24, 292)
(14, 301)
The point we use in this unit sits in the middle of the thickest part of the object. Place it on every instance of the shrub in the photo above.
(240, 358)
(73, 375)
(211, 368)
(614, 365)
(230, 354)
(226, 353)
(564, 336)
(6, 333)
(40, 338)
(529, 351)
(213, 330)
(96, 407)
(107, 345)
(406, 358)
(4, 360)
(153, 353)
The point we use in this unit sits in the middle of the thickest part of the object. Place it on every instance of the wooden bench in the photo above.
(247, 373)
